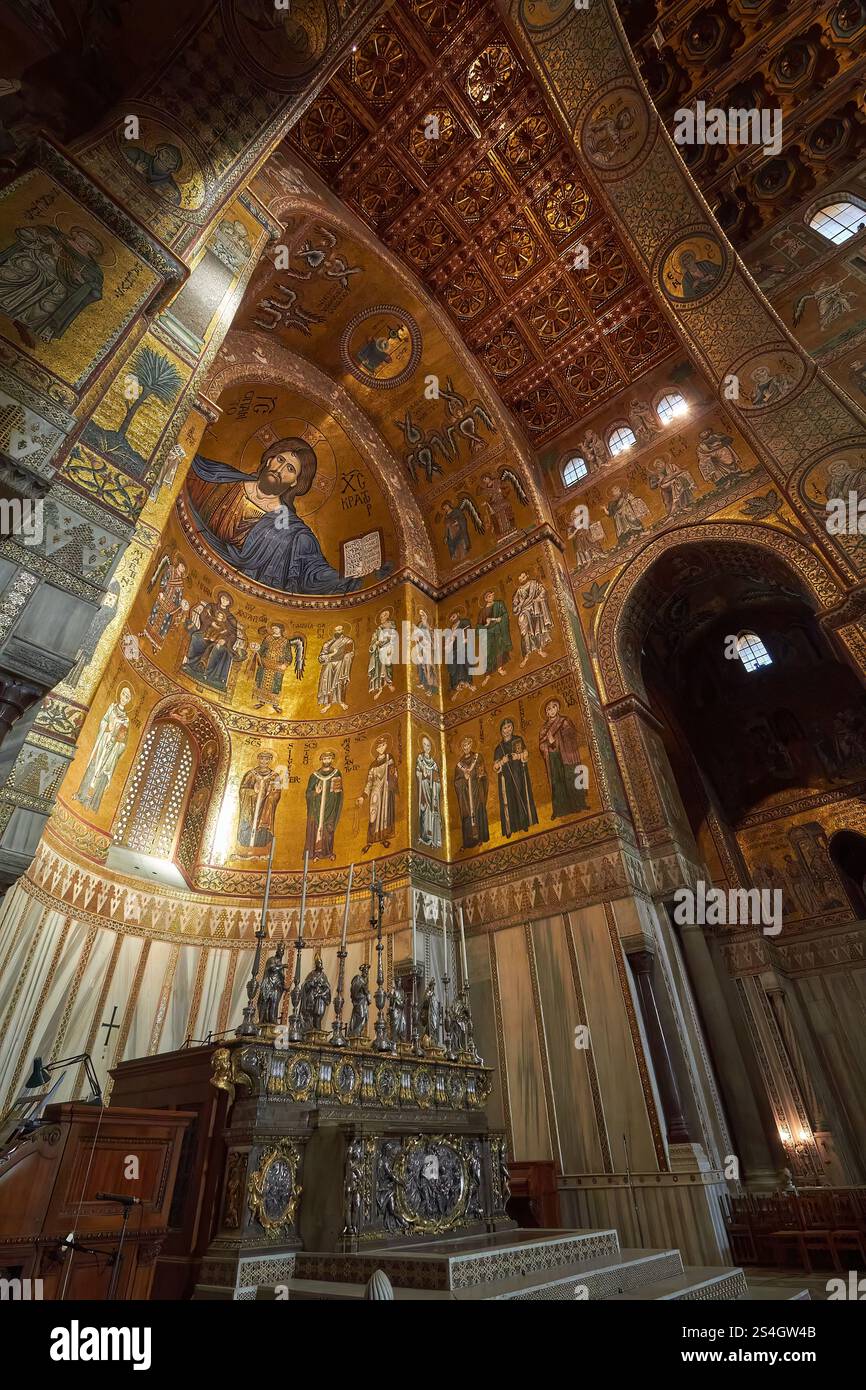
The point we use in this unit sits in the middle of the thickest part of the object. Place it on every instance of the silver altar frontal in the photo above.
(342, 1149)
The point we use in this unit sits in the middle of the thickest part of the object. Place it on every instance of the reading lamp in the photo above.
(41, 1074)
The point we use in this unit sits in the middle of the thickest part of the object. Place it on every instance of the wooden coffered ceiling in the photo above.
(489, 214)
(804, 58)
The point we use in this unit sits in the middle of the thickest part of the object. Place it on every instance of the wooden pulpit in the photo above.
(49, 1181)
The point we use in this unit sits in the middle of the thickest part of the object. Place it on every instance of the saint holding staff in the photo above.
(324, 798)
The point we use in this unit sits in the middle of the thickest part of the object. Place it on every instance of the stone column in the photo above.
(641, 963)
(760, 1158)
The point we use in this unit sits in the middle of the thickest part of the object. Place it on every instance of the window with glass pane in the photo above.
(620, 440)
(670, 406)
(838, 222)
(574, 469)
(752, 652)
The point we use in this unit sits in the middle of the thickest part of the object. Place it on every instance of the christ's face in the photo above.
(84, 242)
(279, 474)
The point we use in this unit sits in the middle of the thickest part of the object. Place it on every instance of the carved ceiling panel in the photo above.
(804, 59)
(436, 136)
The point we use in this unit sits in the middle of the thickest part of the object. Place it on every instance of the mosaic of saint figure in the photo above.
(458, 654)
(559, 747)
(718, 460)
(628, 512)
(250, 520)
(676, 485)
(516, 802)
(107, 751)
(384, 651)
(324, 797)
(258, 797)
(158, 169)
(380, 791)
(47, 277)
(493, 622)
(533, 616)
(470, 788)
(271, 658)
(216, 642)
(168, 579)
(423, 653)
(335, 660)
(429, 782)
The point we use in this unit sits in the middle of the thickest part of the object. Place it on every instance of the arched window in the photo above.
(838, 222)
(671, 406)
(150, 815)
(574, 469)
(752, 652)
(620, 439)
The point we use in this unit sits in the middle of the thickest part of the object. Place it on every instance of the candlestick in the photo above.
(248, 1028)
(446, 980)
(295, 1017)
(377, 904)
(338, 1032)
(463, 949)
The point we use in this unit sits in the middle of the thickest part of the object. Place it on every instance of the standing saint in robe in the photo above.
(381, 793)
(676, 485)
(470, 786)
(516, 802)
(718, 460)
(169, 603)
(47, 277)
(458, 636)
(533, 616)
(107, 751)
(384, 651)
(359, 993)
(422, 653)
(271, 658)
(628, 514)
(429, 782)
(258, 797)
(324, 797)
(335, 659)
(216, 641)
(315, 997)
(560, 750)
(493, 623)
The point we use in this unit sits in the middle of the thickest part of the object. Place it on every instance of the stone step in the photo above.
(774, 1293)
(601, 1278)
(463, 1263)
(630, 1269)
(710, 1283)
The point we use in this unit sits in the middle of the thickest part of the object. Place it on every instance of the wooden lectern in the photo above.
(49, 1182)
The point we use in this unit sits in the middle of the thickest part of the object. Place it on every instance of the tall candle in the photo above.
(346, 911)
(303, 895)
(463, 948)
(414, 932)
(445, 936)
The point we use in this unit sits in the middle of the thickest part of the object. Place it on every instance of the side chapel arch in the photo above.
(619, 676)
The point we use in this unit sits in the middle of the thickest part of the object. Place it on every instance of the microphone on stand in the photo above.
(113, 1197)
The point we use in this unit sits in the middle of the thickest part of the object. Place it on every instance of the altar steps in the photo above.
(537, 1266)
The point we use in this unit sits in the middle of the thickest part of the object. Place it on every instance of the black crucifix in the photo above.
(108, 1027)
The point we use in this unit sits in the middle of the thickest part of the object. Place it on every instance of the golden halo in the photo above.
(108, 258)
(285, 427)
